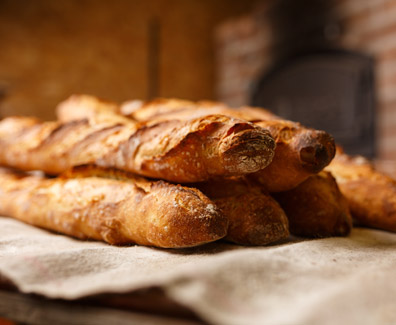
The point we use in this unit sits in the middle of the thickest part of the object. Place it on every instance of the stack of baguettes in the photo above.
(113, 172)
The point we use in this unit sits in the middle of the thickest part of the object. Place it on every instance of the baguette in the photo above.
(79, 107)
(255, 218)
(300, 152)
(316, 208)
(179, 151)
(118, 212)
(164, 109)
(371, 195)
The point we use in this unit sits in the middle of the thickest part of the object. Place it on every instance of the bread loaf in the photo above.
(255, 218)
(299, 153)
(316, 208)
(371, 194)
(84, 205)
(79, 107)
(180, 151)
(163, 109)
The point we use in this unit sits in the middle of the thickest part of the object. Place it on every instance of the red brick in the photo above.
(354, 8)
(236, 100)
(381, 23)
(387, 93)
(386, 81)
(387, 155)
(246, 27)
(385, 69)
(386, 148)
(225, 32)
(386, 107)
(385, 41)
(386, 124)
(387, 166)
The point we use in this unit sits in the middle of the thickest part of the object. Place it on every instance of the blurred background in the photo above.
(330, 64)
(121, 49)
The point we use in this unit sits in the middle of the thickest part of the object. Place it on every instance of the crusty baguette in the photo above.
(171, 108)
(255, 218)
(180, 151)
(300, 152)
(316, 208)
(371, 194)
(79, 107)
(119, 212)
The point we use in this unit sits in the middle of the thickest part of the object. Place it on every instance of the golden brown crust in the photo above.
(179, 151)
(299, 153)
(371, 195)
(162, 109)
(195, 150)
(79, 107)
(255, 217)
(118, 212)
(316, 208)
(148, 110)
(54, 147)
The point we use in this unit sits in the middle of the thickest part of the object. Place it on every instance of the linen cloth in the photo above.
(324, 281)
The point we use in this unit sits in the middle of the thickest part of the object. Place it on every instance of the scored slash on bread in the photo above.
(180, 151)
(205, 144)
(84, 204)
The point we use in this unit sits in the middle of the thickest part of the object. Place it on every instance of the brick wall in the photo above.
(243, 47)
(369, 26)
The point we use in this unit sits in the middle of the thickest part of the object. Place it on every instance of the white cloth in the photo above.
(325, 281)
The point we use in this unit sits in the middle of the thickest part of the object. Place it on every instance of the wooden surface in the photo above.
(52, 49)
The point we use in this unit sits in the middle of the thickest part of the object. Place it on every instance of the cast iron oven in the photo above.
(332, 90)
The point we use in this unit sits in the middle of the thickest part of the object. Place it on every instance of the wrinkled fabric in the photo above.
(322, 281)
